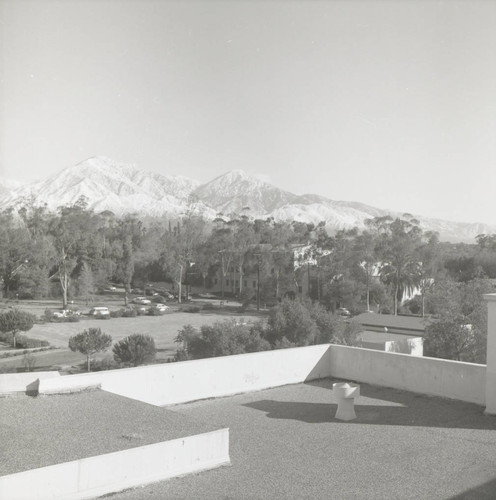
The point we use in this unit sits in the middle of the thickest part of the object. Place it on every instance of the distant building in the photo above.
(412, 326)
(391, 342)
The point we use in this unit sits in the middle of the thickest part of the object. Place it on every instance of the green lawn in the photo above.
(163, 329)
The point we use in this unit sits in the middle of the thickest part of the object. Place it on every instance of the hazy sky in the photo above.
(390, 103)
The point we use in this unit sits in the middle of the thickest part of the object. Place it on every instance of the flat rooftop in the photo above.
(286, 444)
(415, 324)
(371, 336)
(48, 430)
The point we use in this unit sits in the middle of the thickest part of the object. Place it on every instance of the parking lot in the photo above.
(163, 328)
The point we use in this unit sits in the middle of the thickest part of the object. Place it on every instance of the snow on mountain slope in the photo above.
(456, 231)
(336, 217)
(6, 188)
(121, 188)
(236, 190)
(106, 183)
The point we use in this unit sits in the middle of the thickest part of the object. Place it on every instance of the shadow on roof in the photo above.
(384, 406)
(423, 416)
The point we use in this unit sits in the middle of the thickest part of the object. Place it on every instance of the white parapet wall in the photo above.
(432, 376)
(491, 354)
(20, 383)
(95, 476)
(174, 383)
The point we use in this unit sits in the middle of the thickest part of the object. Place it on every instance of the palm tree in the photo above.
(365, 260)
(401, 266)
(402, 276)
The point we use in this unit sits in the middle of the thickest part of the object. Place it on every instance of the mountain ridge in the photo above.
(124, 188)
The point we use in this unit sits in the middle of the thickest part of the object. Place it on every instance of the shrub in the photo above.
(191, 309)
(283, 343)
(223, 338)
(328, 324)
(5, 337)
(181, 355)
(106, 363)
(246, 296)
(135, 350)
(117, 314)
(24, 342)
(208, 306)
(29, 361)
(10, 354)
(48, 314)
(155, 312)
(292, 319)
(158, 299)
(8, 369)
(347, 333)
(129, 313)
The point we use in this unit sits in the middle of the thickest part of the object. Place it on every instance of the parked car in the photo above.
(160, 307)
(342, 311)
(141, 300)
(100, 312)
(65, 313)
(143, 308)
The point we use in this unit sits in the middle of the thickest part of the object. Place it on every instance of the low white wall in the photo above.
(174, 383)
(62, 385)
(437, 377)
(12, 383)
(95, 476)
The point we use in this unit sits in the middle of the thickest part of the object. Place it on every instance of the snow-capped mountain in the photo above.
(122, 188)
(7, 186)
(237, 190)
(108, 185)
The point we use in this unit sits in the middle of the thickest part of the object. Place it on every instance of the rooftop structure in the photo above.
(424, 428)
(44, 431)
(286, 444)
(391, 342)
(406, 325)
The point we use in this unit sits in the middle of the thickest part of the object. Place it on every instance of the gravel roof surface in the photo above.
(286, 444)
(47, 430)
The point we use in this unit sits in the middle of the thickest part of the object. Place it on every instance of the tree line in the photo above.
(82, 252)
(391, 266)
(375, 268)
